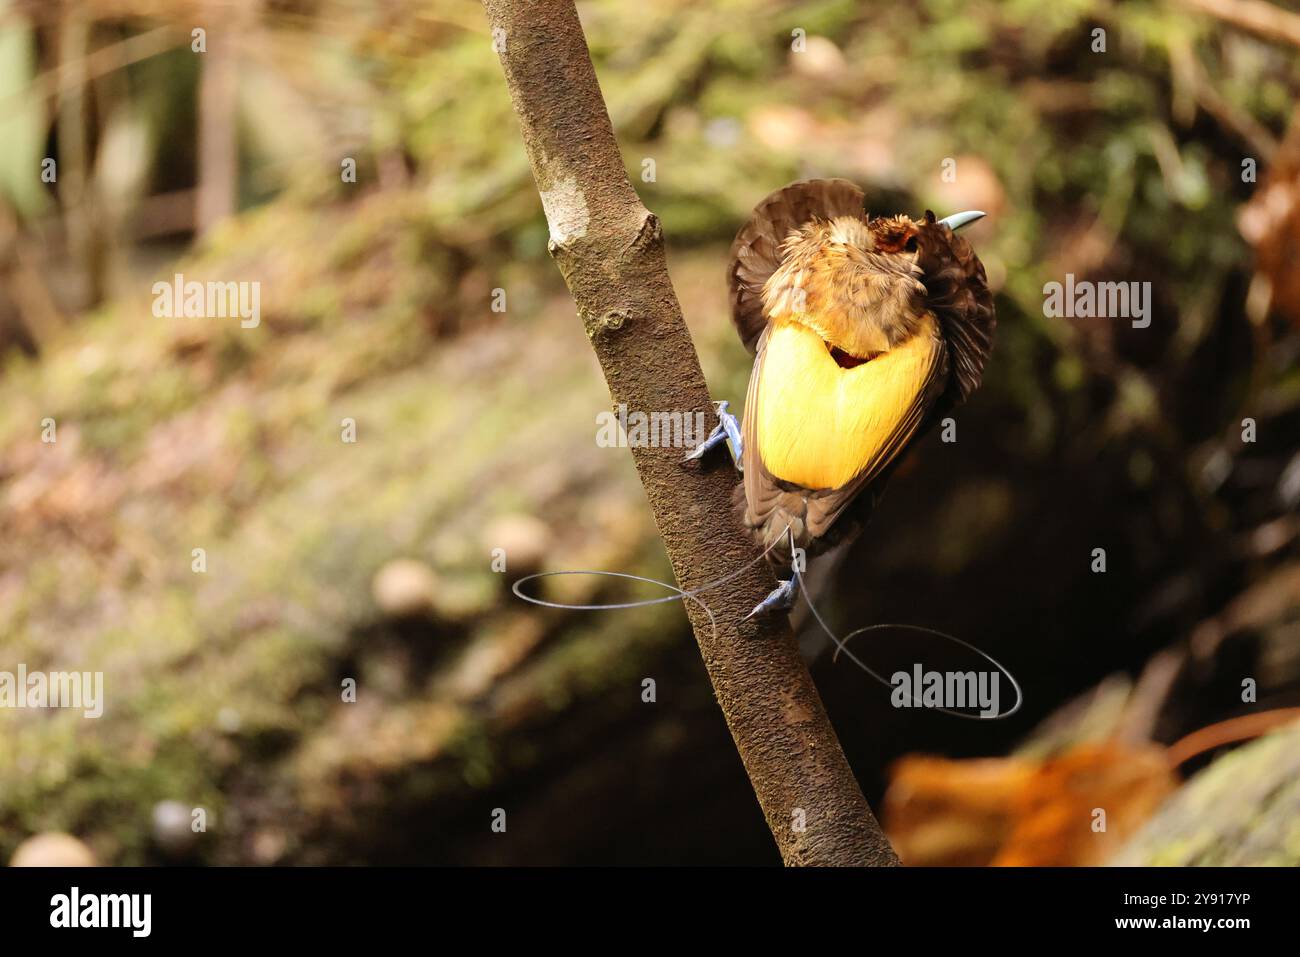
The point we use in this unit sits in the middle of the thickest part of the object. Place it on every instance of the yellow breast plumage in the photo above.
(820, 425)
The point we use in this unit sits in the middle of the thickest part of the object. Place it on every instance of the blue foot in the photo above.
(781, 598)
(727, 429)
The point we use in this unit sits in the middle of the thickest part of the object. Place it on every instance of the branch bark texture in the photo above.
(610, 250)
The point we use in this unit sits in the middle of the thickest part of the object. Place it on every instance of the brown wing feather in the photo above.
(763, 495)
(958, 293)
(756, 251)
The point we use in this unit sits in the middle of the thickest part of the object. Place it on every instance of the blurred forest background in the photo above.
(475, 430)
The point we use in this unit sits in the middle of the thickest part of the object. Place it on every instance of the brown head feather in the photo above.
(756, 252)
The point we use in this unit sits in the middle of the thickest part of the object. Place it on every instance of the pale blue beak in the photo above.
(958, 220)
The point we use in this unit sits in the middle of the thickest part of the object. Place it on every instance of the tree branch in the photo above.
(609, 248)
